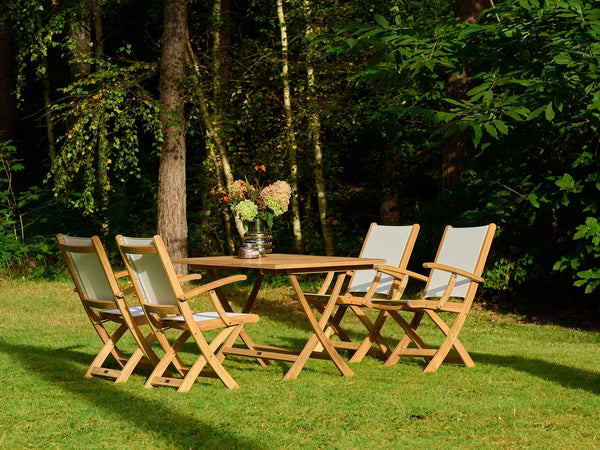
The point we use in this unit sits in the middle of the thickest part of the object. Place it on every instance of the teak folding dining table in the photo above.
(290, 265)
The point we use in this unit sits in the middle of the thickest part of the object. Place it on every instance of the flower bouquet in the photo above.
(250, 202)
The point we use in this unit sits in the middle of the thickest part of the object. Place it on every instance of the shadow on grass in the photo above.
(179, 430)
(561, 307)
(569, 377)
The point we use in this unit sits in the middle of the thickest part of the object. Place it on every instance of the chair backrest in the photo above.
(390, 242)
(463, 248)
(89, 267)
(148, 263)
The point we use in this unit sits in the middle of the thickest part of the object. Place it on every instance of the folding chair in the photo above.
(450, 288)
(395, 245)
(104, 302)
(167, 307)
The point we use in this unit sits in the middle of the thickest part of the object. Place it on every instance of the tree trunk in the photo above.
(48, 112)
(290, 137)
(80, 64)
(388, 208)
(172, 219)
(221, 41)
(7, 82)
(102, 166)
(457, 148)
(98, 30)
(314, 134)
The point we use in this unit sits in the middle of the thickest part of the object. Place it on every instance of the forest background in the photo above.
(130, 116)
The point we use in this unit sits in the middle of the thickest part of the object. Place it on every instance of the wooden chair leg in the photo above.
(336, 320)
(208, 355)
(369, 325)
(228, 342)
(128, 368)
(372, 337)
(335, 323)
(110, 344)
(169, 357)
(410, 335)
(450, 341)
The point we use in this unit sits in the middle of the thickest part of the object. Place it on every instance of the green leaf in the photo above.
(562, 59)
(501, 126)
(533, 199)
(477, 133)
(477, 89)
(490, 129)
(550, 112)
(453, 102)
(566, 182)
(381, 21)
(536, 112)
(513, 115)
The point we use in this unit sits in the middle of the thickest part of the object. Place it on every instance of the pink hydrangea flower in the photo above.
(277, 197)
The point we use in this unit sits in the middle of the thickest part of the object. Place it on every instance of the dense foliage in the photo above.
(532, 111)
(382, 68)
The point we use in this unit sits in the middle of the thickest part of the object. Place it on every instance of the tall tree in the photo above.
(314, 136)
(7, 80)
(217, 147)
(102, 154)
(172, 213)
(290, 136)
(457, 147)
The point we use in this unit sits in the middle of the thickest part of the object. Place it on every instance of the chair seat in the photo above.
(412, 305)
(389, 302)
(135, 311)
(212, 315)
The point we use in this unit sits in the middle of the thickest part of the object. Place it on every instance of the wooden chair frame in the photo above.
(103, 301)
(167, 306)
(446, 301)
(369, 284)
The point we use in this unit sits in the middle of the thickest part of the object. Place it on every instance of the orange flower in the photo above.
(263, 168)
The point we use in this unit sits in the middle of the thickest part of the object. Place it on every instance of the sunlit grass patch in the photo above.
(532, 386)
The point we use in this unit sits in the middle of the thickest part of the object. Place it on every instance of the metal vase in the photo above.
(259, 236)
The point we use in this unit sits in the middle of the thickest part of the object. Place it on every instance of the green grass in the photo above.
(532, 386)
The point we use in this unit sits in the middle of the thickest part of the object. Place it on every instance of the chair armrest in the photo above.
(188, 277)
(211, 286)
(462, 273)
(399, 273)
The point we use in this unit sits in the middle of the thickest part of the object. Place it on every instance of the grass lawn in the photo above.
(533, 386)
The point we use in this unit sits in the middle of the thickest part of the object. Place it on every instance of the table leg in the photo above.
(250, 302)
(318, 335)
(247, 307)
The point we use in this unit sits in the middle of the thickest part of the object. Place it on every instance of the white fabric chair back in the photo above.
(384, 242)
(460, 248)
(149, 273)
(88, 270)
